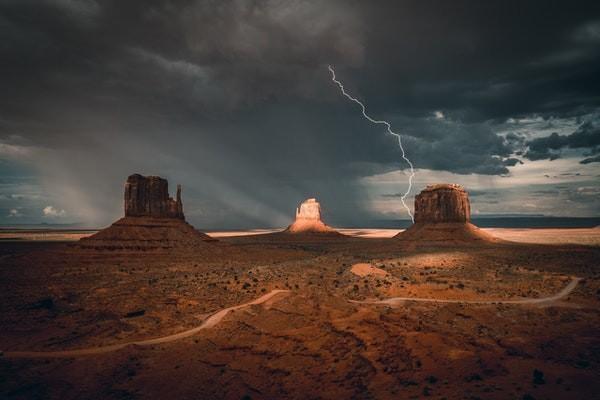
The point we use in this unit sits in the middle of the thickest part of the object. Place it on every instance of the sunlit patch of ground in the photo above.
(44, 235)
(365, 269)
(370, 233)
(586, 236)
(225, 234)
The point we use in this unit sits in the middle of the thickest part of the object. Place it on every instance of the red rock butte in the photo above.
(308, 219)
(153, 220)
(442, 203)
(443, 215)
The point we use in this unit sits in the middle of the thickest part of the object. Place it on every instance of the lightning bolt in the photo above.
(389, 130)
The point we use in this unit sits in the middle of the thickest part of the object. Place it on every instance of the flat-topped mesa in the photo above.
(148, 196)
(308, 219)
(442, 203)
(442, 216)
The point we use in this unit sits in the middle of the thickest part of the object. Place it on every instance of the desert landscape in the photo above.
(441, 310)
(299, 200)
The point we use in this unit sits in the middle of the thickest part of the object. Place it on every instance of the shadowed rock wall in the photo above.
(148, 196)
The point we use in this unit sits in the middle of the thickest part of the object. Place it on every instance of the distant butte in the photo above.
(443, 215)
(152, 221)
(308, 219)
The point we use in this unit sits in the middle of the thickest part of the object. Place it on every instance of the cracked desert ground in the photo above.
(311, 339)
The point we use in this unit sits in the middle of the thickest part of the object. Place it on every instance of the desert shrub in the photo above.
(538, 377)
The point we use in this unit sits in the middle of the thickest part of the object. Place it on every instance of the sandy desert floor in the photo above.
(313, 328)
(585, 236)
(43, 235)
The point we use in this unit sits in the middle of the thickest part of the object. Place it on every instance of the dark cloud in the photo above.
(590, 160)
(478, 193)
(233, 99)
(514, 139)
(482, 60)
(511, 161)
(587, 136)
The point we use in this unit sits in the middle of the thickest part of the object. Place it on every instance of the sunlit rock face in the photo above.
(442, 203)
(308, 219)
(148, 196)
(309, 209)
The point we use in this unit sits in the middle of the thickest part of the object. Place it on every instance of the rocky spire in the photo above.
(179, 203)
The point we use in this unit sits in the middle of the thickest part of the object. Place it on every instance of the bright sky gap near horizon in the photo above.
(234, 101)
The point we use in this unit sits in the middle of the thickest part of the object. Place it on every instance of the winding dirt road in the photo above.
(210, 322)
(215, 318)
(397, 300)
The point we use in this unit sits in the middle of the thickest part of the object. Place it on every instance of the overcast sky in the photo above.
(233, 100)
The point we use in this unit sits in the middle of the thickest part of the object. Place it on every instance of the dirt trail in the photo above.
(396, 300)
(215, 318)
(210, 322)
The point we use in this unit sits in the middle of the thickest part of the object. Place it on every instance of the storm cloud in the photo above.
(587, 136)
(233, 99)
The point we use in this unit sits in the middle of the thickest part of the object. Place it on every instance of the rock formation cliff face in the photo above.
(442, 203)
(309, 209)
(442, 217)
(148, 196)
(308, 219)
(153, 221)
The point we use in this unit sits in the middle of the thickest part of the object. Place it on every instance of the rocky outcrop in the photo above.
(308, 219)
(147, 234)
(442, 217)
(442, 203)
(148, 196)
(153, 221)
